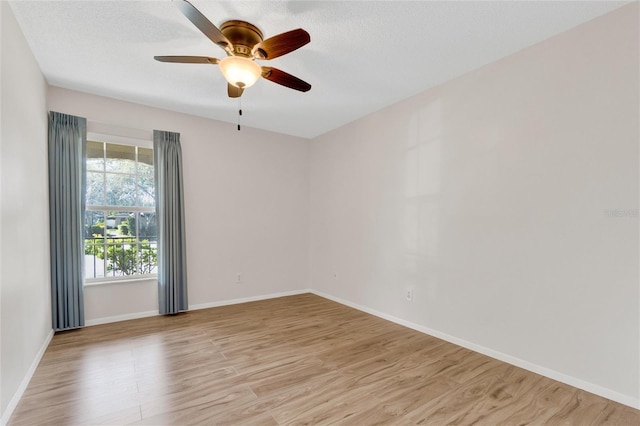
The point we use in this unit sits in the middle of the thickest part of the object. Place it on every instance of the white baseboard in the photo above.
(247, 299)
(547, 372)
(13, 403)
(136, 315)
(117, 318)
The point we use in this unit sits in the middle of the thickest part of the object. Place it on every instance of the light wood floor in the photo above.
(293, 360)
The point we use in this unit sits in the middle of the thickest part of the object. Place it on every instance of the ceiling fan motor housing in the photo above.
(242, 35)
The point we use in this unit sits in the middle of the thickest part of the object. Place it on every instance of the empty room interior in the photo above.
(319, 212)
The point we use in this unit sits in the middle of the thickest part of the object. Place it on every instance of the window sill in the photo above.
(100, 281)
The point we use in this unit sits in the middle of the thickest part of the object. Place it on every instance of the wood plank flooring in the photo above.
(289, 361)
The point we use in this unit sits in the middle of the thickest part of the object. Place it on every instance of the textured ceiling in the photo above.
(363, 55)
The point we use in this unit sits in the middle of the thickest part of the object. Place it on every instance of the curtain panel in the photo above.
(67, 142)
(172, 259)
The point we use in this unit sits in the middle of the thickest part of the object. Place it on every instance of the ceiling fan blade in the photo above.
(204, 25)
(233, 91)
(187, 59)
(285, 79)
(281, 44)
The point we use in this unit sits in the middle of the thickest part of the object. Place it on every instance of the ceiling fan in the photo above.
(243, 42)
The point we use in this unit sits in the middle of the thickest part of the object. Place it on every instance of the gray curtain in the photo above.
(67, 137)
(172, 260)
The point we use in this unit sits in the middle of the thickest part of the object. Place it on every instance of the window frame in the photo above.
(118, 140)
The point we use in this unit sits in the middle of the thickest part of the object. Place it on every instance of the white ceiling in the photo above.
(363, 55)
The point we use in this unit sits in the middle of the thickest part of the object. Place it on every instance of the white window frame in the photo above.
(120, 140)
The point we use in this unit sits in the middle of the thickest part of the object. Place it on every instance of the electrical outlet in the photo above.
(238, 278)
(408, 294)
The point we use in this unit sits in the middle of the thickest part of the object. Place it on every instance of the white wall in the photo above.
(246, 202)
(488, 195)
(25, 310)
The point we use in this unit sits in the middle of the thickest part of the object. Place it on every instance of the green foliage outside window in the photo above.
(124, 255)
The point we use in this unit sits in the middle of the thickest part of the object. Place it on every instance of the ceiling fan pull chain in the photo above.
(239, 111)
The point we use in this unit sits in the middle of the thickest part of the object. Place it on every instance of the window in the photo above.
(120, 221)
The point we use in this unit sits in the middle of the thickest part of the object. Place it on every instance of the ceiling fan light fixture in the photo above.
(240, 72)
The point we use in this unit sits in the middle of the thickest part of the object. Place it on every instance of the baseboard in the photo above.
(13, 403)
(247, 299)
(117, 318)
(137, 315)
(547, 372)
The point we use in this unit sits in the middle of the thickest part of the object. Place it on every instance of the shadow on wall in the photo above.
(422, 209)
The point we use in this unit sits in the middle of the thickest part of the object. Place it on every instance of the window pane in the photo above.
(121, 158)
(146, 191)
(145, 161)
(148, 248)
(95, 156)
(115, 259)
(120, 225)
(121, 190)
(93, 260)
(147, 226)
(148, 257)
(122, 258)
(95, 189)
(93, 225)
(93, 249)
